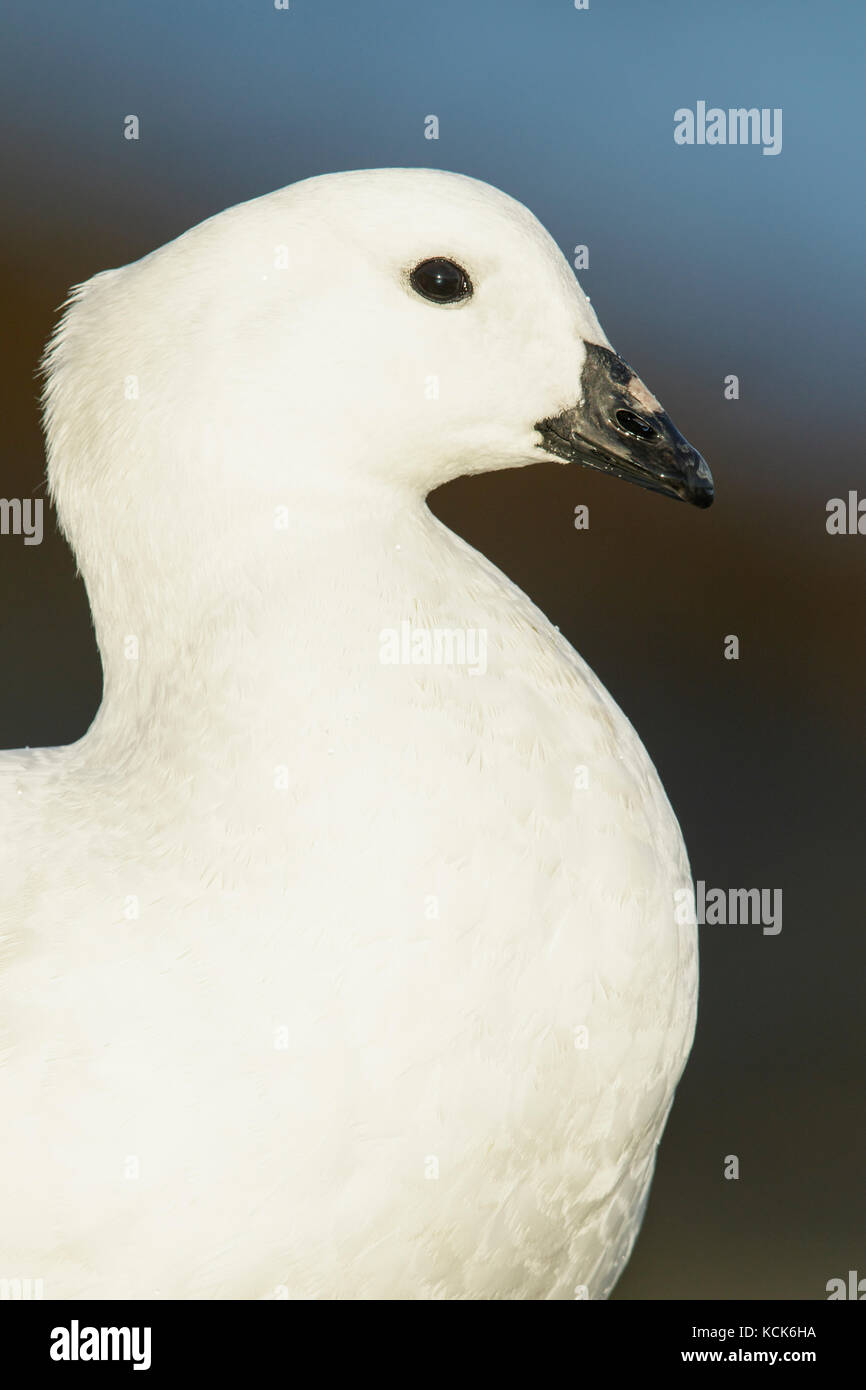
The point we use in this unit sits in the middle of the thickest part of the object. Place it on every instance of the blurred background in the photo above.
(703, 262)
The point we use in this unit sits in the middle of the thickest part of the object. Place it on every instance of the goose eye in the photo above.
(634, 424)
(440, 280)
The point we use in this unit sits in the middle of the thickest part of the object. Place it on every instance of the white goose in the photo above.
(325, 975)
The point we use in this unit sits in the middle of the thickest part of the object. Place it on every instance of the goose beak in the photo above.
(620, 428)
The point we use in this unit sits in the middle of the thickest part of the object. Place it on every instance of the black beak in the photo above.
(620, 428)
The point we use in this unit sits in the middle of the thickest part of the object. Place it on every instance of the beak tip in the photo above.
(703, 498)
(701, 490)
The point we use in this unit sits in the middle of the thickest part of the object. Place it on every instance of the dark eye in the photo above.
(634, 424)
(441, 280)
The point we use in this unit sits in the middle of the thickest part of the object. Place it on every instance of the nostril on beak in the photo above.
(634, 425)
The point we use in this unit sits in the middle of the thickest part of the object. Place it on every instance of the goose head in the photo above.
(350, 338)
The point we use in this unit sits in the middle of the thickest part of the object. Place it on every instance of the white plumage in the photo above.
(300, 941)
